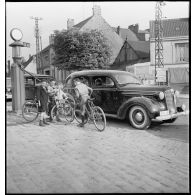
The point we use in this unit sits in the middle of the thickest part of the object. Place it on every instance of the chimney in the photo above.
(70, 23)
(118, 30)
(51, 39)
(96, 10)
(134, 28)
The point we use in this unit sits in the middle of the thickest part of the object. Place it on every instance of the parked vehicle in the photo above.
(8, 89)
(121, 95)
(31, 83)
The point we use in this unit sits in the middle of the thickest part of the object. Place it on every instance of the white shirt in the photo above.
(83, 89)
(60, 94)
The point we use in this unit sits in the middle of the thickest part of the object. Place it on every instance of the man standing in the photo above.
(82, 91)
(42, 96)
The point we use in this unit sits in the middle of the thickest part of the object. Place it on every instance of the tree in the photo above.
(75, 50)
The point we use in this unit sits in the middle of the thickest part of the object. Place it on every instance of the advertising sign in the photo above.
(161, 75)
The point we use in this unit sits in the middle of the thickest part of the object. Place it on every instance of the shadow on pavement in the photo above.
(12, 119)
(177, 131)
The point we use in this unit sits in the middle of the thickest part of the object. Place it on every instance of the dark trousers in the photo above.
(51, 105)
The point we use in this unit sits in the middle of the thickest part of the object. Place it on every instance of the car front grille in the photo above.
(170, 101)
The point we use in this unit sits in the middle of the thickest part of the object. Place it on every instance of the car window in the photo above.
(68, 82)
(126, 78)
(29, 81)
(38, 81)
(109, 82)
(102, 81)
(83, 79)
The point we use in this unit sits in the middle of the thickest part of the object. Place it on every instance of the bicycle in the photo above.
(64, 109)
(92, 113)
(30, 110)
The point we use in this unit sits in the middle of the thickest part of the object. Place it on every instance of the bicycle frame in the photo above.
(89, 109)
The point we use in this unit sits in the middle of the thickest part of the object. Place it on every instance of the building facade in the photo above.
(175, 49)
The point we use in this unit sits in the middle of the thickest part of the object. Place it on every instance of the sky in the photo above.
(55, 14)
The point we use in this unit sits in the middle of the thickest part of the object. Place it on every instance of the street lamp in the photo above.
(16, 35)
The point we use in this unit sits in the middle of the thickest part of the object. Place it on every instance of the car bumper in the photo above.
(171, 116)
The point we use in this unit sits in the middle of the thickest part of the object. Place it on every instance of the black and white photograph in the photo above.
(97, 97)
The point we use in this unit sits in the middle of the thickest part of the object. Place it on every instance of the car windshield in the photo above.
(126, 78)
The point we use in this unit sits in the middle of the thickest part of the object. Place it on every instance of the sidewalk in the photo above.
(184, 96)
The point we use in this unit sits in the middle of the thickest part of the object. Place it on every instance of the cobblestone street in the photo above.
(68, 159)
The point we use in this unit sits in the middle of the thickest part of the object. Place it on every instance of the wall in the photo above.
(168, 52)
(126, 50)
(45, 58)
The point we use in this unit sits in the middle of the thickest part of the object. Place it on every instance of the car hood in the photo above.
(143, 89)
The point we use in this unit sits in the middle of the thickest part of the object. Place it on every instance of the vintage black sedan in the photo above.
(121, 95)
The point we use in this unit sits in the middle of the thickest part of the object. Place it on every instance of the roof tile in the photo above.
(127, 33)
(172, 27)
(82, 23)
(142, 48)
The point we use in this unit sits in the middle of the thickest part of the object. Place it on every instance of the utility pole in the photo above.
(158, 29)
(37, 36)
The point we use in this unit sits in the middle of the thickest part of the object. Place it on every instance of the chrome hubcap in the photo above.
(138, 117)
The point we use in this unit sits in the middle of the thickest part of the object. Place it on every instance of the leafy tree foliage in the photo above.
(75, 50)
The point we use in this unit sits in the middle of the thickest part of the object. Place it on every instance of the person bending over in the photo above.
(82, 92)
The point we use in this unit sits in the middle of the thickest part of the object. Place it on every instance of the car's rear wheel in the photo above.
(138, 117)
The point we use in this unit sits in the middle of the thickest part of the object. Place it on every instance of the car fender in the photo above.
(147, 103)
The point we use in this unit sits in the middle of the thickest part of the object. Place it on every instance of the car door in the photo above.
(105, 93)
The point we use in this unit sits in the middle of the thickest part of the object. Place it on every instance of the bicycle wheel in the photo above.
(71, 100)
(99, 118)
(53, 112)
(77, 116)
(64, 111)
(30, 111)
(68, 111)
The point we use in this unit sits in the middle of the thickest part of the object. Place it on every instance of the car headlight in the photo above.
(161, 95)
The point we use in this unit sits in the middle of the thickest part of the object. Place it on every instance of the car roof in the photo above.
(96, 72)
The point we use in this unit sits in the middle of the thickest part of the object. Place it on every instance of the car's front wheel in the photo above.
(138, 117)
